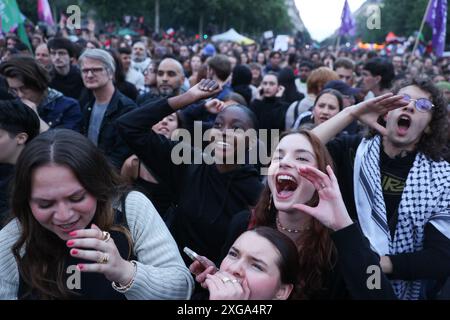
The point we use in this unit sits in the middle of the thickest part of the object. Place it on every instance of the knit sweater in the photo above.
(161, 273)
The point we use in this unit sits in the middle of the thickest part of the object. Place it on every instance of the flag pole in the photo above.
(421, 28)
(338, 44)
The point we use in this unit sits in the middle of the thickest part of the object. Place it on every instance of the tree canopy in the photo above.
(403, 17)
(210, 16)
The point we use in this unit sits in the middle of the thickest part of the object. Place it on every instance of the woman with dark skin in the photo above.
(208, 190)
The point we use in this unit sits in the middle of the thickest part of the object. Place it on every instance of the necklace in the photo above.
(290, 230)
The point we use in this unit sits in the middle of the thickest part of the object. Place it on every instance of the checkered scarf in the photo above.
(425, 198)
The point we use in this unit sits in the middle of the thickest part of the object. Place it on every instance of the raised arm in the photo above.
(154, 149)
(367, 112)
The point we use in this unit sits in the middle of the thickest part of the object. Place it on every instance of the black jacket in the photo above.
(109, 140)
(206, 200)
(71, 85)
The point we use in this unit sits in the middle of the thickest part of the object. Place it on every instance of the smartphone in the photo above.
(196, 257)
(191, 253)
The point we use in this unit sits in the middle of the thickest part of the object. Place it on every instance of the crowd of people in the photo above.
(102, 169)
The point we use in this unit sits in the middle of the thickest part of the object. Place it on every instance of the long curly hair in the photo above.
(315, 247)
(40, 254)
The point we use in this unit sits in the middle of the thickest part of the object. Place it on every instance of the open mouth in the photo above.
(403, 124)
(68, 226)
(285, 185)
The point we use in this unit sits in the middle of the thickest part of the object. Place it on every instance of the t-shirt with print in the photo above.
(394, 172)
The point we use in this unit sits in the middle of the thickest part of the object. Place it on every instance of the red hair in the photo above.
(315, 247)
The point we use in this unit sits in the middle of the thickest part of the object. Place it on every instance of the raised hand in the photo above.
(331, 210)
(204, 89)
(214, 106)
(280, 91)
(103, 252)
(201, 269)
(369, 111)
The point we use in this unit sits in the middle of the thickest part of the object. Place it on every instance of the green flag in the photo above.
(11, 18)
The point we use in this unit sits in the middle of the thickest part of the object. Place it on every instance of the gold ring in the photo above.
(106, 236)
(104, 259)
(225, 280)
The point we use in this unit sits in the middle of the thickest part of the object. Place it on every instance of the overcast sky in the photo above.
(323, 17)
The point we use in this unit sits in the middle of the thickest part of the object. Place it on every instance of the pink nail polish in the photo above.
(70, 243)
(73, 234)
(80, 266)
(74, 251)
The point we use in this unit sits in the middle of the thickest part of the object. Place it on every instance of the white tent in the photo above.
(232, 35)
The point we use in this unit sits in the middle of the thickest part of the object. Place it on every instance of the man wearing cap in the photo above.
(348, 92)
(209, 50)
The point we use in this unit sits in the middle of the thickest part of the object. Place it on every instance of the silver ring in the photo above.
(106, 236)
(322, 186)
(225, 280)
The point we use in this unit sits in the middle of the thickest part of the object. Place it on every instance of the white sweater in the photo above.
(161, 272)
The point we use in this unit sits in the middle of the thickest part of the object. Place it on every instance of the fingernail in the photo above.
(73, 234)
(80, 266)
(70, 243)
(74, 251)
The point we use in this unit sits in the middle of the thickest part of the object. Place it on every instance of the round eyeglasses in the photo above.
(421, 104)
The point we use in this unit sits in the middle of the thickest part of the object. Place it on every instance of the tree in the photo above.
(403, 17)
(195, 16)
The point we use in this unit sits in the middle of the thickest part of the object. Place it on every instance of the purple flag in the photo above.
(437, 19)
(44, 12)
(347, 22)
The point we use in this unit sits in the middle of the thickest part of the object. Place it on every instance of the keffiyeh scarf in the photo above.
(425, 198)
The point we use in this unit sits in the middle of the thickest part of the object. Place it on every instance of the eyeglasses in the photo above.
(93, 70)
(15, 91)
(422, 104)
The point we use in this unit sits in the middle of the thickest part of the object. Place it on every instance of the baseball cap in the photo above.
(342, 87)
